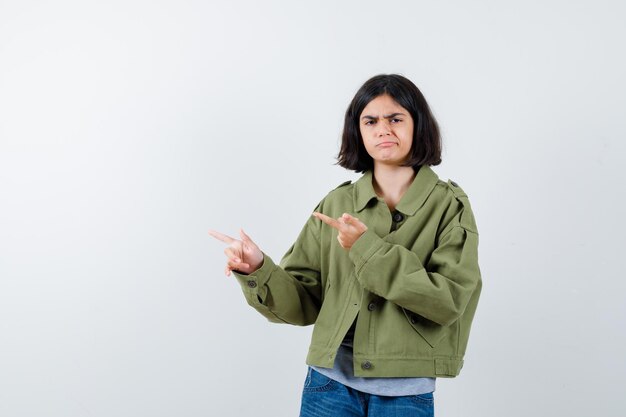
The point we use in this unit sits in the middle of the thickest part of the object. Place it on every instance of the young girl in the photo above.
(386, 267)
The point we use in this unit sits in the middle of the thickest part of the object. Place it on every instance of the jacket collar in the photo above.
(411, 201)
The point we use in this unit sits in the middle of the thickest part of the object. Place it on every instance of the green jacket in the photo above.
(413, 291)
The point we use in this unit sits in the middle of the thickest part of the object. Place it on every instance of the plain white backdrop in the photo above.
(130, 128)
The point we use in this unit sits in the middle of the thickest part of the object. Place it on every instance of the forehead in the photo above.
(383, 104)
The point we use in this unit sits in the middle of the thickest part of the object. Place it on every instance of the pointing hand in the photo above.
(350, 228)
(243, 255)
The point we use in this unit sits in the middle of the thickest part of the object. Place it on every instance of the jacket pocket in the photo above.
(430, 331)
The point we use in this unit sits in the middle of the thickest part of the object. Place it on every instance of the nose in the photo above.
(383, 128)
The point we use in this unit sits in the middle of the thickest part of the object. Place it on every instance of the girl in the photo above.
(386, 267)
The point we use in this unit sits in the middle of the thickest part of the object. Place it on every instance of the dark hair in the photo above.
(426, 146)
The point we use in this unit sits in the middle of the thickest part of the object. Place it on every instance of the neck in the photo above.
(391, 182)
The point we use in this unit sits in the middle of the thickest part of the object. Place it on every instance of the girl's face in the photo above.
(387, 130)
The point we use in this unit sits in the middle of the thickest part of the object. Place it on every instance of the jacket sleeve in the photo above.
(438, 291)
(291, 291)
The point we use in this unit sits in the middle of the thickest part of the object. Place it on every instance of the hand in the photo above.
(350, 228)
(243, 255)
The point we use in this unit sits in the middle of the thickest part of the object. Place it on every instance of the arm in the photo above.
(290, 292)
(438, 291)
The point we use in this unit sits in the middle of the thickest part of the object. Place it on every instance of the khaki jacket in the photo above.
(413, 291)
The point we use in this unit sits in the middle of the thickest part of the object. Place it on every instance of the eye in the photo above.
(397, 120)
(369, 122)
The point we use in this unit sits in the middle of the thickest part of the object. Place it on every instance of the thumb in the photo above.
(245, 237)
(349, 219)
(354, 222)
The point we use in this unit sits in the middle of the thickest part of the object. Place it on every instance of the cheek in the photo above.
(367, 147)
(408, 135)
(408, 143)
(366, 140)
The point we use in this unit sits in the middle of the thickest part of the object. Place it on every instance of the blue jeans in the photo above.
(325, 397)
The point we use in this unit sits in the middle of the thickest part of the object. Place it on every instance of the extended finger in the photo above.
(328, 220)
(245, 237)
(221, 236)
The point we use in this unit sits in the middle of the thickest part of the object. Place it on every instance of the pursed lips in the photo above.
(387, 143)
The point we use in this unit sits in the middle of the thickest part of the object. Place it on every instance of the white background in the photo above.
(130, 128)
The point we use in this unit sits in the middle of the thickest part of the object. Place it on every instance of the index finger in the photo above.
(222, 237)
(328, 220)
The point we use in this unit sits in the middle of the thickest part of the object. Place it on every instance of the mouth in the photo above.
(386, 144)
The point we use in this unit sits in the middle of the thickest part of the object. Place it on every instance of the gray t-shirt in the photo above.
(343, 371)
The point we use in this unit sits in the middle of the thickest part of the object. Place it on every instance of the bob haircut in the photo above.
(426, 146)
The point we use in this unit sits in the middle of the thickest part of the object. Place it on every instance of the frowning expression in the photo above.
(387, 130)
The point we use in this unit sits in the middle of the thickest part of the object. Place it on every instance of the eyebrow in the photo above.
(389, 116)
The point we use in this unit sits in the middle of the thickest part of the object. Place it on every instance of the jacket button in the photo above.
(398, 217)
(252, 284)
(371, 306)
(366, 365)
(413, 320)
